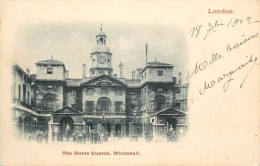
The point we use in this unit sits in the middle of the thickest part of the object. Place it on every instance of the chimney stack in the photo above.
(84, 70)
(67, 74)
(180, 78)
(28, 72)
(133, 75)
(121, 69)
(138, 75)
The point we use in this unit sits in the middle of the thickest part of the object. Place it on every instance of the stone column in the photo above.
(50, 123)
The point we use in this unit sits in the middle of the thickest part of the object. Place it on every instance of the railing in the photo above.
(21, 103)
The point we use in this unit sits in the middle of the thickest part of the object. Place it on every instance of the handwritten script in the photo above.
(227, 77)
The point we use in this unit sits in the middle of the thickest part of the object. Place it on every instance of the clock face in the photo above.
(101, 59)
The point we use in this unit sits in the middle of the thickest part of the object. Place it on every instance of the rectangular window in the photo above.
(132, 107)
(132, 93)
(90, 106)
(49, 70)
(103, 90)
(160, 73)
(118, 106)
(19, 92)
(24, 92)
(89, 91)
(28, 99)
(177, 105)
(118, 92)
(177, 90)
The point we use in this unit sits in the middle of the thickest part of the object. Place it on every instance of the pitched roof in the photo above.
(67, 110)
(156, 64)
(50, 62)
(106, 80)
(168, 111)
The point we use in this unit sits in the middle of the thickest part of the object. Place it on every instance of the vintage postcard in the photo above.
(129, 82)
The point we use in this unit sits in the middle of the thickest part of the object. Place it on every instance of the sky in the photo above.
(71, 43)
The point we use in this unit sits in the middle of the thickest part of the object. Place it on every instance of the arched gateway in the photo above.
(67, 126)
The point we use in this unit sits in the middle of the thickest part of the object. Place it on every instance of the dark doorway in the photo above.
(67, 126)
(172, 123)
(89, 126)
(109, 129)
(118, 129)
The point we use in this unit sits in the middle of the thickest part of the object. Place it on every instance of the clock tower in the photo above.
(101, 57)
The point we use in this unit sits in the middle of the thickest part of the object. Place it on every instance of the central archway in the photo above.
(67, 126)
(172, 122)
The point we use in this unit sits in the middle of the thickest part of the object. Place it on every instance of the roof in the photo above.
(50, 62)
(168, 111)
(103, 79)
(101, 48)
(67, 110)
(18, 68)
(156, 64)
(101, 34)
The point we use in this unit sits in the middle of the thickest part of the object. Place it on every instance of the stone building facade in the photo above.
(102, 101)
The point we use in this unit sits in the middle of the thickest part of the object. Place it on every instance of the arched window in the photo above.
(101, 40)
(103, 105)
(160, 102)
(49, 101)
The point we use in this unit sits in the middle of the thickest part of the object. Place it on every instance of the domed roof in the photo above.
(101, 33)
(101, 48)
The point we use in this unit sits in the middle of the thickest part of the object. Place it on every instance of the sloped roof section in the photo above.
(50, 62)
(169, 111)
(103, 80)
(156, 64)
(67, 110)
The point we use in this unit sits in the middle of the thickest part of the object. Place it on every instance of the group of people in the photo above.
(171, 135)
(92, 136)
(40, 136)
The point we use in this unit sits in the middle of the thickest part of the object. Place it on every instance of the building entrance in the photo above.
(67, 127)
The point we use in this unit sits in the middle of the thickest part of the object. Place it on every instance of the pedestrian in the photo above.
(53, 135)
(45, 137)
(84, 137)
(38, 136)
(29, 137)
(80, 138)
